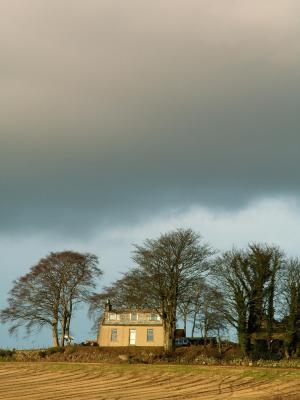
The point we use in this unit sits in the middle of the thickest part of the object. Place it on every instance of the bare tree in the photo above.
(185, 309)
(197, 302)
(190, 303)
(211, 318)
(165, 271)
(49, 292)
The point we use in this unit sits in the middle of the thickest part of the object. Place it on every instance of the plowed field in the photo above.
(49, 381)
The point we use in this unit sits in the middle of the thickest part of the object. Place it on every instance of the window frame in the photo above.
(134, 319)
(154, 317)
(150, 336)
(112, 316)
(132, 337)
(114, 335)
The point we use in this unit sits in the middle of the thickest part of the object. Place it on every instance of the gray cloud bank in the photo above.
(113, 109)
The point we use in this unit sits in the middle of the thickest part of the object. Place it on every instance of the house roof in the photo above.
(132, 310)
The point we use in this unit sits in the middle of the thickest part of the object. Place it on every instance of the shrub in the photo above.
(6, 354)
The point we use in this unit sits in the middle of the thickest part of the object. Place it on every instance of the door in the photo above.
(132, 336)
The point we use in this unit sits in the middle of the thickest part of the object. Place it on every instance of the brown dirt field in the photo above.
(54, 381)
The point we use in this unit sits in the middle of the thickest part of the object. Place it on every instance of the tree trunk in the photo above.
(242, 331)
(63, 330)
(244, 342)
(185, 324)
(68, 326)
(219, 343)
(55, 335)
(169, 335)
(194, 324)
(169, 340)
(68, 323)
(205, 333)
(270, 313)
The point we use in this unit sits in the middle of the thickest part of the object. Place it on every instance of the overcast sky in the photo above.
(120, 120)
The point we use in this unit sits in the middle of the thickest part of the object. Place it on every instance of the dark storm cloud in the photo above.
(114, 109)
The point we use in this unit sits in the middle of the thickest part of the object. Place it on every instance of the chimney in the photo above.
(108, 306)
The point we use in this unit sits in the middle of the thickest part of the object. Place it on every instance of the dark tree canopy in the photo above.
(248, 281)
(290, 294)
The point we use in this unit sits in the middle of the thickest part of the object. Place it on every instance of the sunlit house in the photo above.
(132, 327)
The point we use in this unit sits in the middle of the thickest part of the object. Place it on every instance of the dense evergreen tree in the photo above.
(291, 298)
(248, 281)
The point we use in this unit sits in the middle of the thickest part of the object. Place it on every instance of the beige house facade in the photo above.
(135, 327)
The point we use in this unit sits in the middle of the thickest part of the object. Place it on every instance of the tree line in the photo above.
(180, 276)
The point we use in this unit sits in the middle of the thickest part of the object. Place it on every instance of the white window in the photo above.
(112, 316)
(132, 336)
(134, 316)
(114, 335)
(154, 317)
(150, 335)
